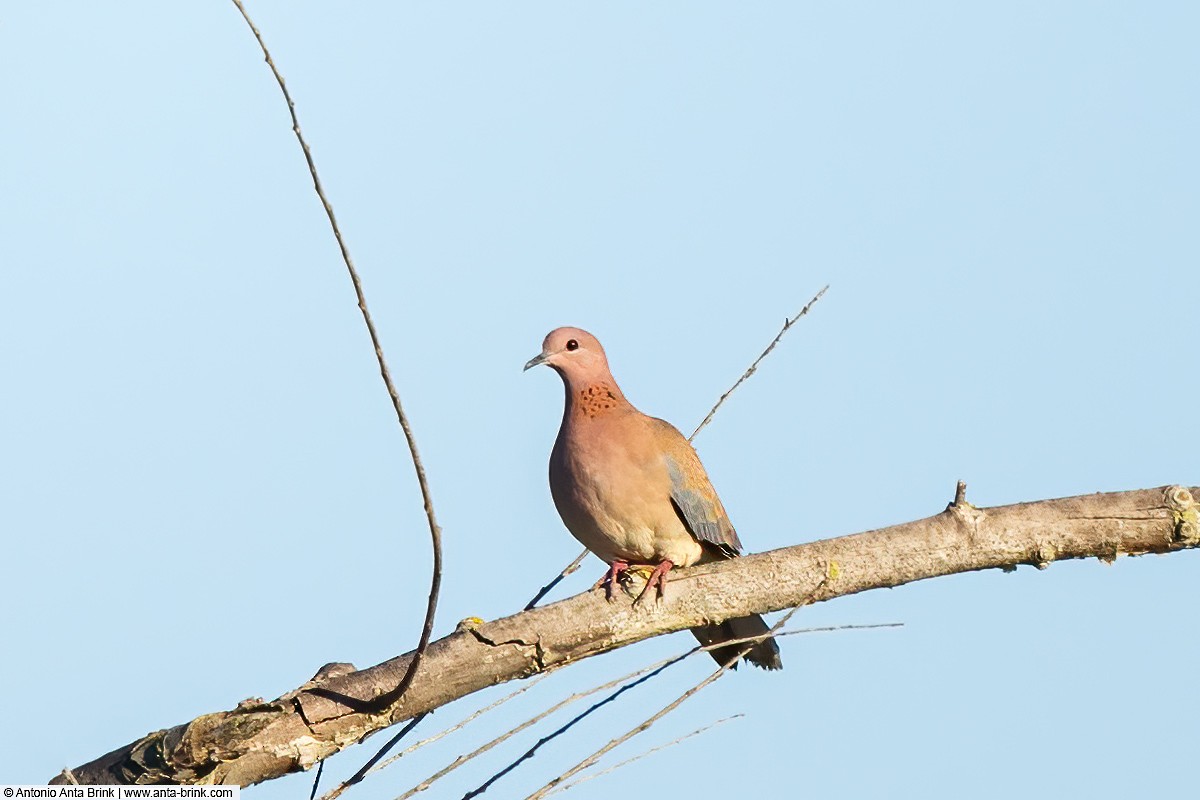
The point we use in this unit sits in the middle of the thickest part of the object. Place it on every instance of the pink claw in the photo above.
(657, 580)
(610, 578)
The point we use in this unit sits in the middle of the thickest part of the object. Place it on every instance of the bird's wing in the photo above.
(695, 499)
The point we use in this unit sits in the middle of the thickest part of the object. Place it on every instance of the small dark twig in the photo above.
(567, 570)
(754, 366)
(373, 760)
(317, 779)
(435, 533)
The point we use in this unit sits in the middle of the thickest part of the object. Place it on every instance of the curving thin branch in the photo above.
(393, 695)
(435, 532)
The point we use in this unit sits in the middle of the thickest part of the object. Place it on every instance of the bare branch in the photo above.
(371, 766)
(464, 723)
(653, 670)
(458, 762)
(787, 324)
(596, 756)
(389, 697)
(634, 678)
(563, 787)
(528, 754)
(256, 742)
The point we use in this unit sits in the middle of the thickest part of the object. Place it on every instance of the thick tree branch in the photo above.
(260, 741)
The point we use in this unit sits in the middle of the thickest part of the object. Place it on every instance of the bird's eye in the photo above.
(572, 344)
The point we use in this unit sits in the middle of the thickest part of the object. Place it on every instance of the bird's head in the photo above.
(572, 353)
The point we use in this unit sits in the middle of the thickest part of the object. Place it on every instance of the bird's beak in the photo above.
(540, 358)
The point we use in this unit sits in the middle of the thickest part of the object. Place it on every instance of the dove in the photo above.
(631, 488)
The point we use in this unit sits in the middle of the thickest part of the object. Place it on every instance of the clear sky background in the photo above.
(204, 495)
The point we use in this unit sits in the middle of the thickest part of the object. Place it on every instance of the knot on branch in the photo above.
(334, 669)
(1186, 513)
(1043, 555)
(964, 511)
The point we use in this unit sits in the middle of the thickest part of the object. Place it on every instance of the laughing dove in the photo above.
(632, 490)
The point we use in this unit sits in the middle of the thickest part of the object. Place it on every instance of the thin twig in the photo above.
(380, 753)
(532, 751)
(596, 756)
(574, 565)
(317, 780)
(656, 667)
(567, 570)
(458, 762)
(650, 752)
(653, 669)
(753, 367)
(667, 709)
(435, 533)
(459, 726)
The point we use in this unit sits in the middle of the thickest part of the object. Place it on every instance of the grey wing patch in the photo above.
(702, 517)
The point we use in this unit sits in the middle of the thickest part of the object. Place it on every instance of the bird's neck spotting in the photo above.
(594, 399)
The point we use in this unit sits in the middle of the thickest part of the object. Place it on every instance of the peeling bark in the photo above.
(258, 741)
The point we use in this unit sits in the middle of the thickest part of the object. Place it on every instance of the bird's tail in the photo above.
(763, 654)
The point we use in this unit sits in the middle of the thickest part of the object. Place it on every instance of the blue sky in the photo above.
(204, 495)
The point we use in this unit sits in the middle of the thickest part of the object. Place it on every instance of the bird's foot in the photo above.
(657, 580)
(611, 578)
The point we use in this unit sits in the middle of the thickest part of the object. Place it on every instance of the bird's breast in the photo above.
(613, 493)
